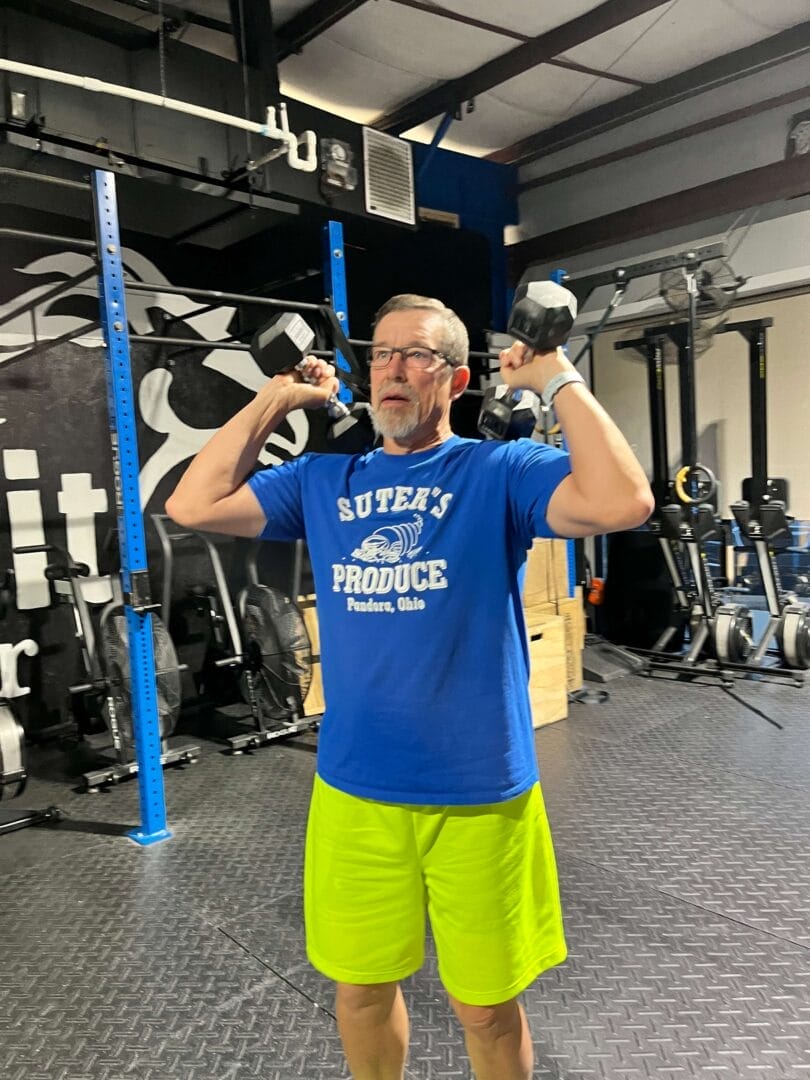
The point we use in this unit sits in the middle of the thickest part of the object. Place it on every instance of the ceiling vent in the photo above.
(389, 177)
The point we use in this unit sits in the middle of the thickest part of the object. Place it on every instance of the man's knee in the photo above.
(488, 1022)
(371, 1001)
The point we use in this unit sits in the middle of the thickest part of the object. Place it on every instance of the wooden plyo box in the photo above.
(314, 703)
(547, 689)
(551, 654)
(570, 610)
(546, 578)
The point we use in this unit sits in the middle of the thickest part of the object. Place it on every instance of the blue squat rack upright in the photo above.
(131, 538)
(334, 270)
(138, 605)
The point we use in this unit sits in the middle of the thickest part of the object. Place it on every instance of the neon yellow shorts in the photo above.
(485, 875)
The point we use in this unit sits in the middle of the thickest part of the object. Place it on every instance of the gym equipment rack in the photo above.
(138, 604)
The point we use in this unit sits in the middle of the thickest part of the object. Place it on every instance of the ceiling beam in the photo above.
(87, 20)
(786, 45)
(302, 28)
(177, 14)
(449, 96)
(430, 9)
(256, 49)
(669, 137)
(787, 179)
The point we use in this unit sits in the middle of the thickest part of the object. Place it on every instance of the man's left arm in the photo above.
(607, 489)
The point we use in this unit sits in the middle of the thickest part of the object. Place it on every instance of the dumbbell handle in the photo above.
(283, 345)
(334, 406)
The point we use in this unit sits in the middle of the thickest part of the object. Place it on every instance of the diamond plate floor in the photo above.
(682, 824)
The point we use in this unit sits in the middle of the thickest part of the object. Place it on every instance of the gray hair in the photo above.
(455, 339)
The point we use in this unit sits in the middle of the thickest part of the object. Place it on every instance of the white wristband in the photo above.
(556, 383)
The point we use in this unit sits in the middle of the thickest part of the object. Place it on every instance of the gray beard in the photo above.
(401, 426)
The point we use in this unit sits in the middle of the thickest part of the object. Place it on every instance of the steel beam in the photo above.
(88, 21)
(769, 183)
(256, 49)
(449, 96)
(786, 45)
(430, 8)
(312, 21)
(667, 138)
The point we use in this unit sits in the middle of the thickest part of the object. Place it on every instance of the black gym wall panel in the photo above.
(381, 260)
(55, 460)
(55, 471)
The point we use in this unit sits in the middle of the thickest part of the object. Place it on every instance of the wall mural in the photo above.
(55, 459)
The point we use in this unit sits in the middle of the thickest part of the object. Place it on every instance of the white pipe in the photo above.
(307, 162)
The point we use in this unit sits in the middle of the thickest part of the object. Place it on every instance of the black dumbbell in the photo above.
(541, 317)
(282, 345)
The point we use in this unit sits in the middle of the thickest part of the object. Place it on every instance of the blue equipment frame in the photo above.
(131, 537)
(334, 271)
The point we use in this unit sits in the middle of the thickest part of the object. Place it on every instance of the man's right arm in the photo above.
(212, 494)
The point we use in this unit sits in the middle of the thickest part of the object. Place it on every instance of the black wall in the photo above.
(53, 404)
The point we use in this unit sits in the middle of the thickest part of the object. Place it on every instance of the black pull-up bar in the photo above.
(46, 238)
(215, 294)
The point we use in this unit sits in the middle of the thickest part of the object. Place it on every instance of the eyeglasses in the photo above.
(416, 356)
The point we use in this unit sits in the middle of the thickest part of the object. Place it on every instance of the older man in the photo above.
(427, 796)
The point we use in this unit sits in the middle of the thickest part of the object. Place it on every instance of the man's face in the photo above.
(410, 403)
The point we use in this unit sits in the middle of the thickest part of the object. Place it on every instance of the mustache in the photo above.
(401, 389)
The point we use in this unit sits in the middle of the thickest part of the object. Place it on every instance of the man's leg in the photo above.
(364, 909)
(494, 906)
(373, 1026)
(498, 1040)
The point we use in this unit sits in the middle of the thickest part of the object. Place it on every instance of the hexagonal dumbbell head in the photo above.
(282, 343)
(542, 315)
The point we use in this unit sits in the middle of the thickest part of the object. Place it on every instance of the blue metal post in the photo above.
(558, 276)
(334, 269)
(131, 538)
(439, 134)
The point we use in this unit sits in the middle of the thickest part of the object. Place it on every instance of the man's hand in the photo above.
(524, 369)
(308, 387)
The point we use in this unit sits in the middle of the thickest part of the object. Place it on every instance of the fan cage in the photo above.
(114, 643)
(279, 652)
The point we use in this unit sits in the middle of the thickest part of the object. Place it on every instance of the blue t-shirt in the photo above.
(417, 561)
